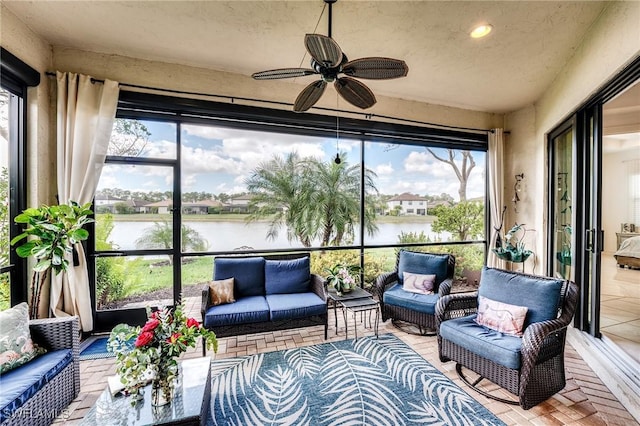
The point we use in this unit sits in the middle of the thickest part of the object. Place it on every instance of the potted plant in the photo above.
(51, 234)
(512, 246)
(341, 277)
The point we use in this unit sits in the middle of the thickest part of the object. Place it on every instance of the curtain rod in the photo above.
(366, 115)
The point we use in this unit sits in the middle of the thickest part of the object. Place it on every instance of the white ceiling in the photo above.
(509, 69)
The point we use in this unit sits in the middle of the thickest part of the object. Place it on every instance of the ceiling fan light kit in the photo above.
(328, 61)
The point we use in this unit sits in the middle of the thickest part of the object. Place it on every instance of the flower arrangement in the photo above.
(150, 352)
(511, 247)
(340, 277)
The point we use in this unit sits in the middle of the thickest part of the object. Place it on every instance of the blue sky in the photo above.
(216, 159)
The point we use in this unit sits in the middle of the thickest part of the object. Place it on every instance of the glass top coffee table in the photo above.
(189, 406)
(354, 302)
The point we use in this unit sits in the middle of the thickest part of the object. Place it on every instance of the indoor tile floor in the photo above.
(584, 401)
(620, 306)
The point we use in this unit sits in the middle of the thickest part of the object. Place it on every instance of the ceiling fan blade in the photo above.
(309, 96)
(323, 49)
(355, 92)
(375, 68)
(282, 73)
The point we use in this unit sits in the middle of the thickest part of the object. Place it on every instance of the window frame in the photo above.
(16, 77)
(183, 111)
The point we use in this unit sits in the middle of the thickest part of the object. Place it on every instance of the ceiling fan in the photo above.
(328, 60)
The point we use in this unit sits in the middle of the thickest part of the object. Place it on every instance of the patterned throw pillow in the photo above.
(500, 316)
(418, 283)
(16, 346)
(221, 291)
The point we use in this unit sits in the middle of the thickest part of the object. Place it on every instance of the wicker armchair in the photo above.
(412, 308)
(55, 395)
(531, 367)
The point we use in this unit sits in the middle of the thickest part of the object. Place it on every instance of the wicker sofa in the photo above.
(530, 365)
(274, 292)
(36, 393)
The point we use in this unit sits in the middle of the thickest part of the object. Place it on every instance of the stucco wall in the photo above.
(612, 43)
(18, 39)
(199, 80)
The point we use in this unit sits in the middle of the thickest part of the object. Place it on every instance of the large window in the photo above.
(15, 77)
(191, 186)
(5, 279)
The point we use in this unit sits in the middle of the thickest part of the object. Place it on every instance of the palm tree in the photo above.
(311, 198)
(335, 200)
(280, 189)
(160, 236)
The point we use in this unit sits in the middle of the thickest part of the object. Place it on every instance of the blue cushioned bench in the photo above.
(274, 292)
(40, 390)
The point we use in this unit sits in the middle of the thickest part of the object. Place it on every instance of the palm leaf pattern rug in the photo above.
(365, 382)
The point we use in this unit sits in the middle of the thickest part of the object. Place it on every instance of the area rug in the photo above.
(95, 348)
(367, 381)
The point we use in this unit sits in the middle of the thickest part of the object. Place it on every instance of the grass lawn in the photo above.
(144, 275)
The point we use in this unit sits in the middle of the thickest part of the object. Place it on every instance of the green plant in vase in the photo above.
(51, 233)
(512, 245)
(341, 277)
(150, 353)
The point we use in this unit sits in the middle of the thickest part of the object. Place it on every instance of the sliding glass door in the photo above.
(593, 161)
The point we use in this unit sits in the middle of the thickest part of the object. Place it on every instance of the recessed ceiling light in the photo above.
(481, 31)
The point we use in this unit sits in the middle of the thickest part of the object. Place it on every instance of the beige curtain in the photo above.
(496, 191)
(85, 116)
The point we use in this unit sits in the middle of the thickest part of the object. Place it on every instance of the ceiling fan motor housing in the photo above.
(328, 74)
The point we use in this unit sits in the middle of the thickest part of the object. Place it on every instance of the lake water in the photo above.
(227, 236)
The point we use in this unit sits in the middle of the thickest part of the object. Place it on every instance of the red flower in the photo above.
(154, 315)
(151, 325)
(174, 338)
(144, 339)
(192, 322)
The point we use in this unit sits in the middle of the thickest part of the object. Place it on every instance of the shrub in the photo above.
(109, 280)
(468, 257)
(5, 292)
(373, 265)
(109, 271)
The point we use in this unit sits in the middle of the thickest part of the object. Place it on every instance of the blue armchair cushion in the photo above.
(248, 274)
(423, 263)
(245, 310)
(541, 296)
(297, 305)
(287, 276)
(503, 349)
(20, 384)
(396, 296)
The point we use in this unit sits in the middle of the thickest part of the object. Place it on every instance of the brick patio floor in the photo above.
(584, 401)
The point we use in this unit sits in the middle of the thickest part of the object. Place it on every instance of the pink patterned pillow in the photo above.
(417, 283)
(500, 316)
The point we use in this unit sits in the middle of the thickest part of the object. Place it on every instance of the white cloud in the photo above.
(160, 149)
(418, 162)
(384, 169)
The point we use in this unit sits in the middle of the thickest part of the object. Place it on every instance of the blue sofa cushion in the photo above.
(248, 273)
(540, 295)
(298, 305)
(287, 276)
(425, 303)
(503, 349)
(244, 311)
(22, 383)
(423, 263)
